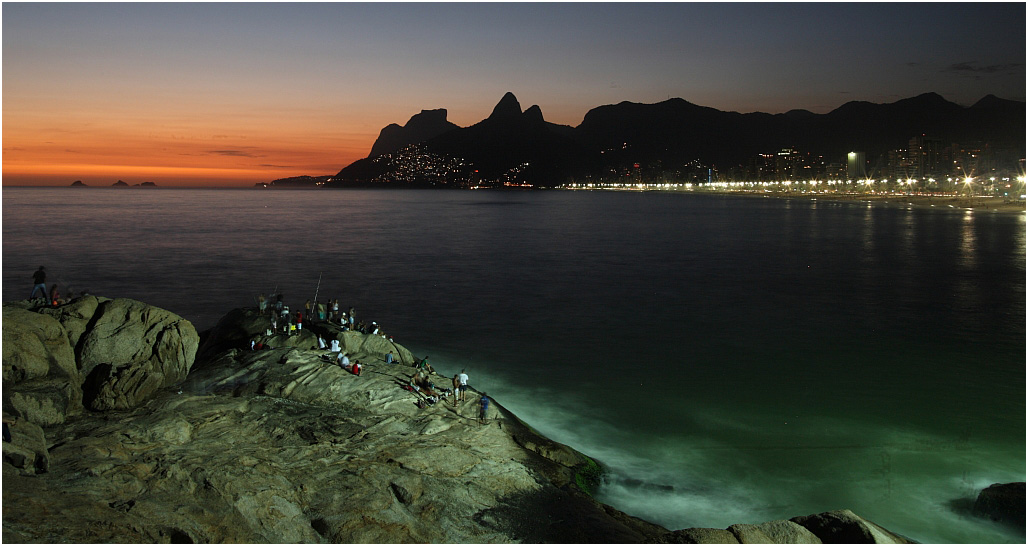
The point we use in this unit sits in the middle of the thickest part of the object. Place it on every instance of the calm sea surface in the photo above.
(732, 360)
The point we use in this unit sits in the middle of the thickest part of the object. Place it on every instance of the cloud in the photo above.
(971, 68)
(276, 166)
(233, 153)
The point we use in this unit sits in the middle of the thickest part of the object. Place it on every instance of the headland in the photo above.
(132, 427)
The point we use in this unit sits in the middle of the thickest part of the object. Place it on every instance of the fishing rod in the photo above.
(316, 290)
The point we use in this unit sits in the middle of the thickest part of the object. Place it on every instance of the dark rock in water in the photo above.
(79, 184)
(1003, 502)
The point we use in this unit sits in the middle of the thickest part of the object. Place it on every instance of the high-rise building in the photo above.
(856, 166)
(924, 155)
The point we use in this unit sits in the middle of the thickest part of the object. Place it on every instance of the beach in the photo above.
(976, 203)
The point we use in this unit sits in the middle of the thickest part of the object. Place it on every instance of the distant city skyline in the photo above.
(238, 93)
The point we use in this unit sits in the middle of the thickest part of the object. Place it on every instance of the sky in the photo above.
(221, 94)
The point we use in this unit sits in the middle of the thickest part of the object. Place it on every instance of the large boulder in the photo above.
(131, 350)
(35, 346)
(41, 379)
(75, 316)
(1003, 502)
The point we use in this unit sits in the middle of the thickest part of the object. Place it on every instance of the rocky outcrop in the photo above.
(42, 383)
(843, 526)
(104, 353)
(1003, 502)
(282, 445)
(241, 326)
(130, 351)
(838, 527)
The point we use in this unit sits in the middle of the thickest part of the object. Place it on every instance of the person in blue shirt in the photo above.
(484, 410)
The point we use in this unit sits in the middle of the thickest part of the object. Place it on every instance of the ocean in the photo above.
(729, 359)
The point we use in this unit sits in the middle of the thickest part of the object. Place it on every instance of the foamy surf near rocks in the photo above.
(282, 445)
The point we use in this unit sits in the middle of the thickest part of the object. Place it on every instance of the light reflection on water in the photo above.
(765, 358)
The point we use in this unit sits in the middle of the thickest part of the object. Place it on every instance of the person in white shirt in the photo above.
(463, 379)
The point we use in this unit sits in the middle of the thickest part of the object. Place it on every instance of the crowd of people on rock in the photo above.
(421, 382)
(323, 311)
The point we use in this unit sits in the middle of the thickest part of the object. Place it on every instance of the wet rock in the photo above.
(773, 532)
(698, 535)
(1003, 502)
(845, 527)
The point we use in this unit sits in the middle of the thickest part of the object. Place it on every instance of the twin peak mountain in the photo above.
(673, 137)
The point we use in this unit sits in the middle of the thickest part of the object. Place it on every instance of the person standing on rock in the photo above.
(456, 389)
(38, 283)
(335, 310)
(463, 378)
(299, 318)
(262, 304)
(352, 314)
(484, 410)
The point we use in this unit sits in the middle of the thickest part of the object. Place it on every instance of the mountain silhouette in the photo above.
(419, 128)
(520, 146)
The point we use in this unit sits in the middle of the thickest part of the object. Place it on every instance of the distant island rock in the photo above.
(145, 185)
(120, 184)
(120, 419)
(79, 184)
(304, 181)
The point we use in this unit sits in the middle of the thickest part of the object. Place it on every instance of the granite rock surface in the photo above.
(283, 445)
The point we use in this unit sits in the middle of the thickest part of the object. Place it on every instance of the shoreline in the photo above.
(941, 202)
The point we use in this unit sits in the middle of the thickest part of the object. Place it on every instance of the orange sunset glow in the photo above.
(241, 93)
